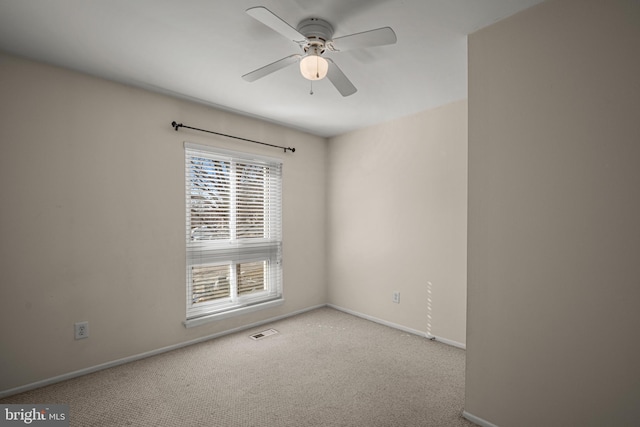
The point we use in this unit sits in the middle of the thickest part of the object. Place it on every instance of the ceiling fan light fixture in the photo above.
(314, 67)
(314, 35)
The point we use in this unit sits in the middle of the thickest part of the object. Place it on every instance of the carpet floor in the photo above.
(323, 368)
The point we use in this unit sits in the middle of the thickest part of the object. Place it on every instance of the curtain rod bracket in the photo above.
(180, 125)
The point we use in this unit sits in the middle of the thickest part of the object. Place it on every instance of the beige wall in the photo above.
(554, 217)
(92, 219)
(397, 221)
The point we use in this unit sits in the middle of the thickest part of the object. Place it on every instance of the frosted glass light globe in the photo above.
(314, 67)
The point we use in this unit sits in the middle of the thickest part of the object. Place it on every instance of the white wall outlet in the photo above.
(396, 297)
(81, 330)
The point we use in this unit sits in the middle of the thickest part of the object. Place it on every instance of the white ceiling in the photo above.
(199, 49)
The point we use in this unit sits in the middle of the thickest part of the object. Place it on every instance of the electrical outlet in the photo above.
(396, 297)
(81, 330)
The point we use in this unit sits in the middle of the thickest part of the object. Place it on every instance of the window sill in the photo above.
(231, 313)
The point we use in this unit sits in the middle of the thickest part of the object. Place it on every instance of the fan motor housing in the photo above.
(316, 29)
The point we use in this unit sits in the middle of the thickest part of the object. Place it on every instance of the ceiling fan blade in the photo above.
(378, 37)
(339, 80)
(273, 67)
(274, 22)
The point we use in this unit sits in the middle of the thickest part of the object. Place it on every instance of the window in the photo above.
(234, 232)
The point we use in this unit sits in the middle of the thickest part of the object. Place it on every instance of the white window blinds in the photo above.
(234, 230)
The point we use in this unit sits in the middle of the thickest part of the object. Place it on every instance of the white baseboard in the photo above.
(111, 364)
(400, 327)
(477, 420)
(448, 341)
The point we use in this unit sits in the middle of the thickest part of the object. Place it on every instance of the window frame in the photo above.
(234, 251)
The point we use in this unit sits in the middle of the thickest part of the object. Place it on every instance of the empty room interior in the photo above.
(466, 172)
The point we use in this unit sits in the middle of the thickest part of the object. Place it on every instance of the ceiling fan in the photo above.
(315, 36)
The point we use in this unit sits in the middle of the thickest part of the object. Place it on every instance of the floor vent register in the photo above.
(263, 334)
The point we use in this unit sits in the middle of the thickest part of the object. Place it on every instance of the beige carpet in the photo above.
(323, 368)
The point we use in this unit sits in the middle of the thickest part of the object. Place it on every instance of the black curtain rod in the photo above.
(180, 125)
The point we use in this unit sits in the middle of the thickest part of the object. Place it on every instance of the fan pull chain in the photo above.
(311, 91)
